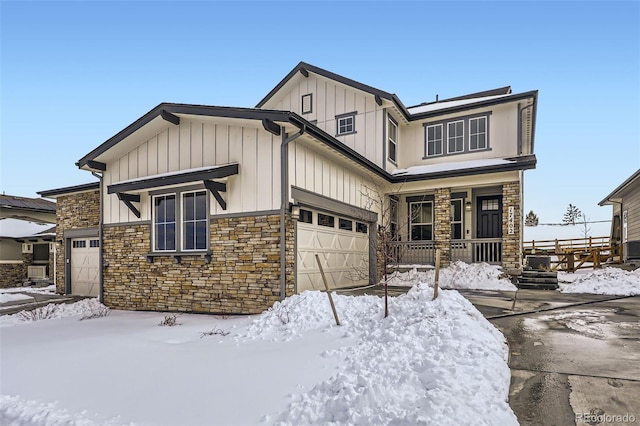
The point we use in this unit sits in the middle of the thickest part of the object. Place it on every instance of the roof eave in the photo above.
(609, 199)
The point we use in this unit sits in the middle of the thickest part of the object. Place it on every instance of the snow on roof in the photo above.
(444, 167)
(443, 105)
(18, 228)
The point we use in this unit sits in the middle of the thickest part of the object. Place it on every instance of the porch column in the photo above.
(442, 233)
(511, 228)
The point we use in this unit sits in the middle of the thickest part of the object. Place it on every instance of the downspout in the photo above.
(100, 255)
(284, 201)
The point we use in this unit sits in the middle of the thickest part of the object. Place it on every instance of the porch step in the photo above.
(538, 280)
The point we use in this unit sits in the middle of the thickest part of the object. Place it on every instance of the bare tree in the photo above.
(586, 230)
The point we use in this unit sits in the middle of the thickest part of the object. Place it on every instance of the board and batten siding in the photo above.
(315, 172)
(195, 144)
(631, 203)
(329, 99)
(503, 138)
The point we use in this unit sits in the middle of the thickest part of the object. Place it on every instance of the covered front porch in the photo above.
(468, 224)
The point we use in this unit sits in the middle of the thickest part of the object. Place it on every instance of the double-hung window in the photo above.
(346, 124)
(434, 140)
(421, 220)
(392, 136)
(477, 133)
(455, 136)
(182, 226)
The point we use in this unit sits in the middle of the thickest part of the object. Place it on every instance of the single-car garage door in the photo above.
(85, 274)
(342, 244)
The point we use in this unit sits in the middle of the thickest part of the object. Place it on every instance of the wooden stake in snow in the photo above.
(437, 275)
(326, 286)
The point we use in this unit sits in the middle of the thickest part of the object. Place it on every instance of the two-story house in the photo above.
(219, 209)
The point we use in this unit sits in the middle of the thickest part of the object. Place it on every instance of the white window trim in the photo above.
(179, 222)
(449, 137)
(441, 139)
(183, 222)
(486, 143)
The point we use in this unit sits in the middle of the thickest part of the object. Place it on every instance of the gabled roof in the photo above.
(614, 196)
(24, 203)
(417, 112)
(305, 68)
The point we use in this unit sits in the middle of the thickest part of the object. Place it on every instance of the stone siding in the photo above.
(74, 211)
(442, 224)
(243, 276)
(12, 274)
(511, 243)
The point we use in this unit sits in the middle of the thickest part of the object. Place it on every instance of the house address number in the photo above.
(510, 220)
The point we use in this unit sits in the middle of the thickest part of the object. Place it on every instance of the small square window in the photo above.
(346, 124)
(361, 227)
(307, 103)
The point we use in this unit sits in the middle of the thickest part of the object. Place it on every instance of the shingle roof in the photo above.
(13, 201)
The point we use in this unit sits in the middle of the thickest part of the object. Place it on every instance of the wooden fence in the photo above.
(572, 254)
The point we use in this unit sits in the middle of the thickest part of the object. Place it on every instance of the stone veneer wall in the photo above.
(12, 274)
(511, 244)
(73, 211)
(242, 278)
(442, 222)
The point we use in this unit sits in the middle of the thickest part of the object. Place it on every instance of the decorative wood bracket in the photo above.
(304, 72)
(271, 127)
(378, 100)
(128, 199)
(171, 118)
(97, 165)
(215, 188)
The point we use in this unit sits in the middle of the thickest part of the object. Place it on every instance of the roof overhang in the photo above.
(54, 193)
(616, 195)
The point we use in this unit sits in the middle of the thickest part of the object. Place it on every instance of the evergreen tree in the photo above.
(531, 219)
(571, 215)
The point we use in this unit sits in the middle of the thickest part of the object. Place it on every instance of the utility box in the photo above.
(539, 262)
(632, 250)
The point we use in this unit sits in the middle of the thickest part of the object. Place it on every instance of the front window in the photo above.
(393, 218)
(164, 223)
(456, 219)
(421, 220)
(478, 133)
(392, 131)
(183, 226)
(455, 137)
(346, 124)
(434, 140)
(195, 222)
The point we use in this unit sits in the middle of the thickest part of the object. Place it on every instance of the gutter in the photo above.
(284, 201)
(100, 238)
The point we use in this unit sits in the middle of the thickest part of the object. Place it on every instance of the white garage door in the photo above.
(343, 247)
(85, 274)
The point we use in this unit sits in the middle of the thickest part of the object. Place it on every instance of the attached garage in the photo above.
(84, 267)
(342, 245)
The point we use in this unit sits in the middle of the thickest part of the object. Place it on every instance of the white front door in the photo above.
(342, 245)
(85, 268)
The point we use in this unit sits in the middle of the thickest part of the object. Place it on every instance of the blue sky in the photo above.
(75, 73)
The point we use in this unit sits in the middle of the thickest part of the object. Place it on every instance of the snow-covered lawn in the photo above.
(42, 290)
(612, 281)
(431, 362)
(458, 275)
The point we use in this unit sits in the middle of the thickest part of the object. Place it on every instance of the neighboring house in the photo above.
(625, 226)
(219, 209)
(27, 230)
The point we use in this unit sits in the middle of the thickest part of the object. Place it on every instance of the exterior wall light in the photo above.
(295, 212)
(467, 206)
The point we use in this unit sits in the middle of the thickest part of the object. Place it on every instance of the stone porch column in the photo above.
(511, 228)
(442, 223)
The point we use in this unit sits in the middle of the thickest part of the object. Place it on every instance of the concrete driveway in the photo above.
(574, 358)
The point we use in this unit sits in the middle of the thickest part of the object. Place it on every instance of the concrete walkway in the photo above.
(37, 300)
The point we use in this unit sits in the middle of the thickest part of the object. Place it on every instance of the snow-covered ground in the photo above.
(430, 362)
(458, 275)
(614, 281)
(42, 290)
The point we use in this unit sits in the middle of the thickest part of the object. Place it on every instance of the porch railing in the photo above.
(487, 250)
